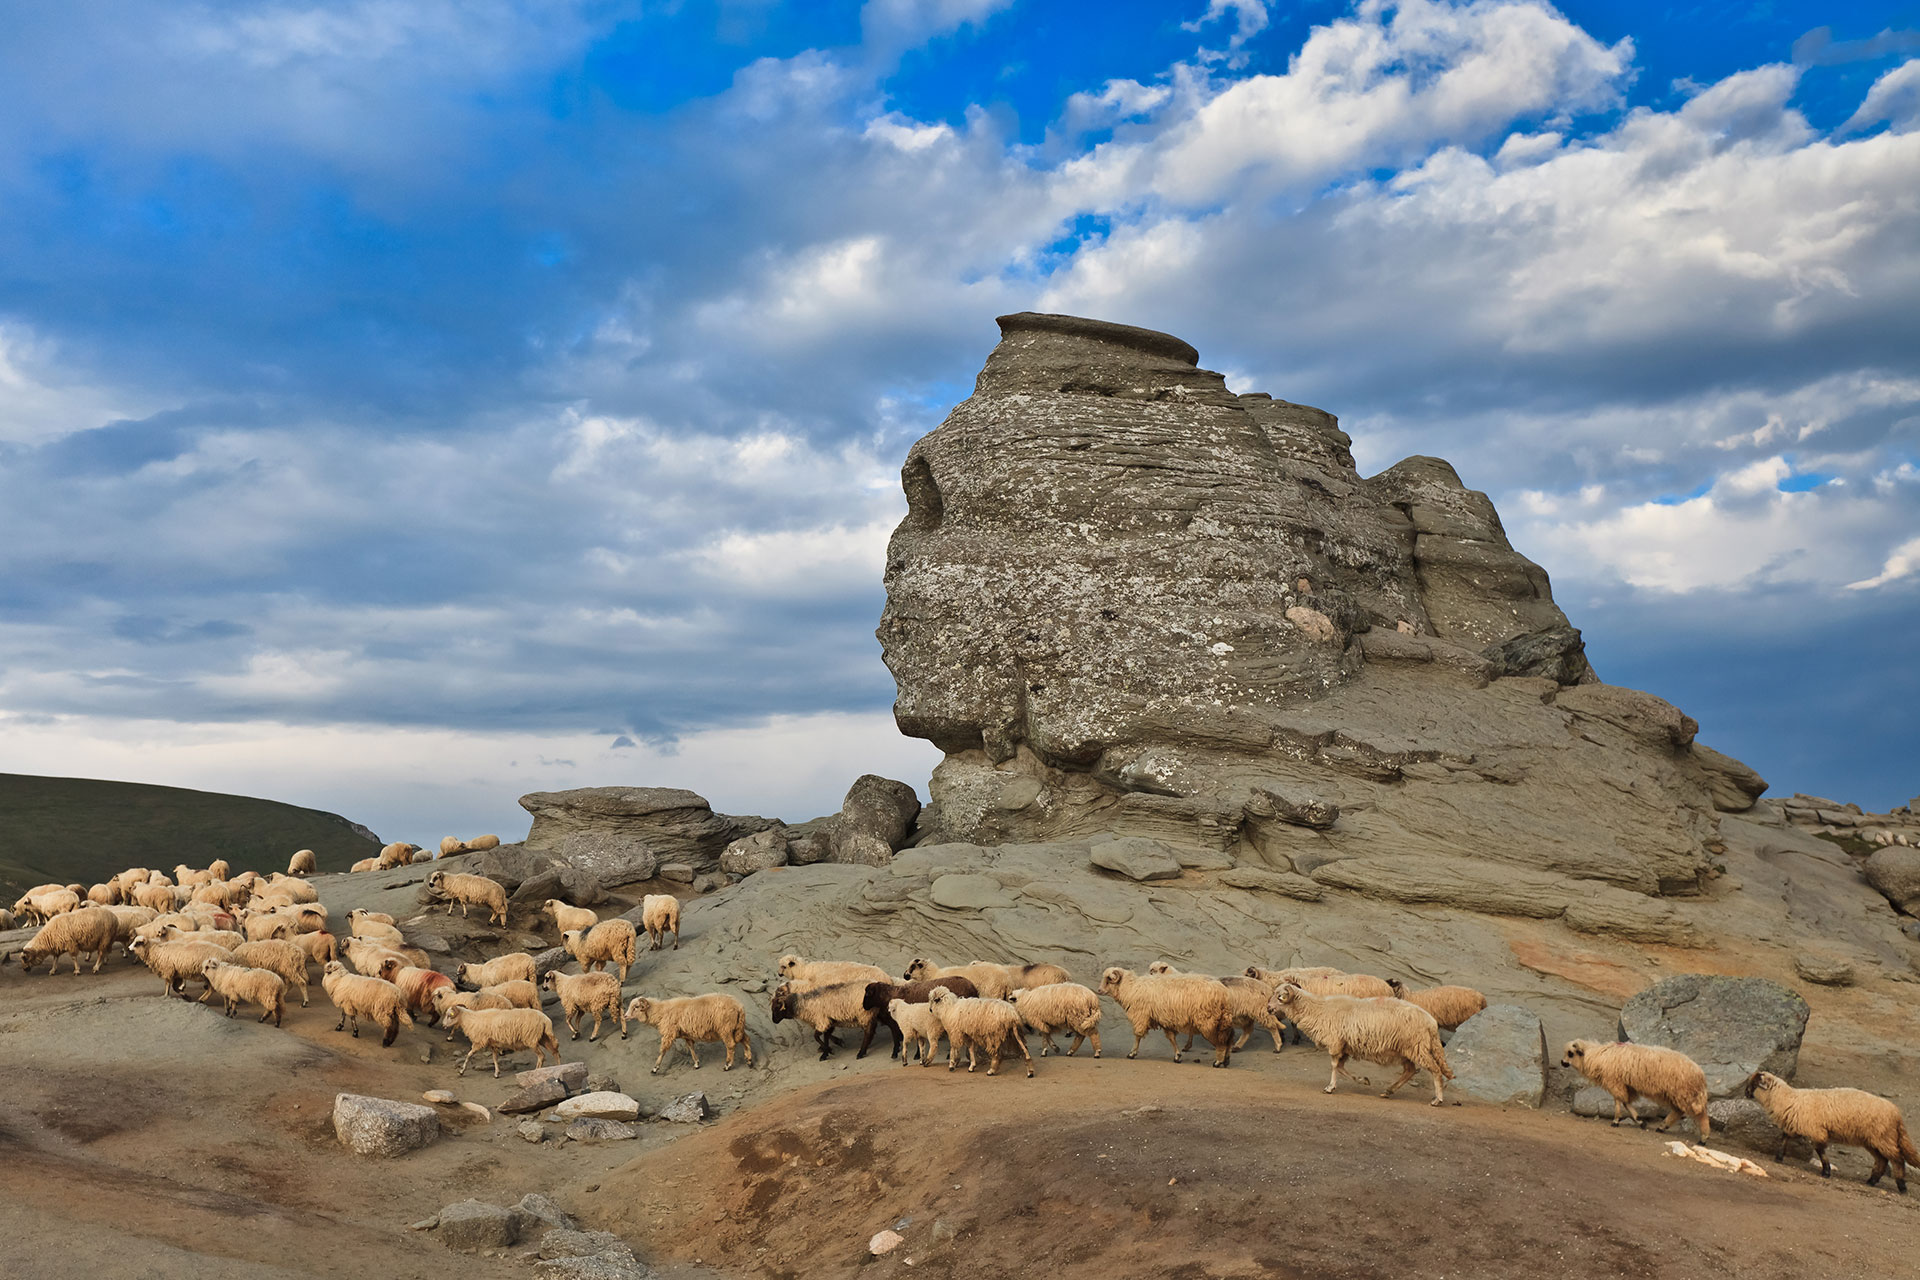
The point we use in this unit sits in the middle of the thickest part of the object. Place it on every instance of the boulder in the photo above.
(535, 1211)
(1500, 1055)
(611, 858)
(569, 884)
(534, 1097)
(760, 851)
(678, 872)
(1592, 1100)
(674, 825)
(572, 1075)
(874, 822)
(595, 1129)
(382, 1127)
(690, 1108)
(1136, 858)
(599, 1106)
(473, 1225)
(544, 962)
(1742, 1122)
(1895, 872)
(512, 865)
(1732, 1027)
(1823, 969)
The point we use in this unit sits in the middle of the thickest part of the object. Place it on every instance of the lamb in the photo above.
(977, 1022)
(879, 997)
(1322, 981)
(515, 964)
(609, 942)
(1174, 1003)
(90, 930)
(991, 980)
(660, 912)
(237, 982)
(1630, 1071)
(468, 891)
(839, 1004)
(358, 996)
(568, 918)
(288, 959)
(1851, 1117)
(1061, 1006)
(302, 863)
(443, 1000)
(1249, 997)
(416, 986)
(504, 1029)
(806, 975)
(177, 963)
(584, 993)
(1372, 1028)
(1450, 1006)
(320, 947)
(710, 1018)
(916, 1022)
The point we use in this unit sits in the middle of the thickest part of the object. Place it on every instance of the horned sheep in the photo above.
(839, 1004)
(879, 997)
(584, 993)
(714, 1018)
(469, 890)
(659, 914)
(567, 918)
(1851, 1117)
(288, 959)
(88, 931)
(504, 1031)
(1450, 1006)
(1063, 1007)
(609, 942)
(237, 982)
(980, 1023)
(358, 996)
(1175, 1003)
(1631, 1071)
(514, 964)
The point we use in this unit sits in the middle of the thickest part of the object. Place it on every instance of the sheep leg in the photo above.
(666, 1044)
(729, 1062)
(1173, 1042)
(866, 1040)
(1139, 1034)
(693, 1050)
(1826, 1169)
(1623, 1109)
(342, 1024)
(746, 1043)
(1879, 1169)
(1339, 1065)
(1405, 1075)
(826, 1042)
(393, 1029)
(1020, 1042)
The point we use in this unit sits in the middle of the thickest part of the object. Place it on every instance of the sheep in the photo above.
(917, 1024)
(1450, 1006)
(7, 920)
(207, 916)
(515, 964)
(177, 963)
(470, 890)
(366, 956)
(840, 1004)
(219, 869)
(978, 1022)
(288, 959)
(1022, 976)
(715, 1017)
(1174, 1003)
(1630, 1071)
(659, 913)
(443, 1000)
(397, 854)
(567, 918)
(360, 926)
(416, 985)
(609, 942)
(151, 929)
(1322, 981)
(1851, 1117)
(1372, 1028)
(508, 1029)
(1061, 1006)
(1249, 997)
(879, 997)
(307, 917)
(990, 980)
(129, 919)
(90, 930)
(302, 863)
(43, 904)
(293, 887)
(805, 975)
(422, 855)
(227, 938)
(517, 992)
(358, 996)
(450, 845)
(376, 917)
(237, 982)
(222, 893)
(584, 993)
(103, 895)
(260, 928)
(483, 844)
(365, 864)
(157, 896)
(320, 947)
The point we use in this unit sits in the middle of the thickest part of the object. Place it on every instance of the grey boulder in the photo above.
(534, 1097)
(1895, 872)
(595, 1130)
(1500, 1055)
(1732, 1027)
(612, 858)
(473, 1225)
(687, 1109)
(761, 851)
(382, 1127)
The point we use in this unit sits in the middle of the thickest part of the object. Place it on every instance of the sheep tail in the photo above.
(1907, 1153)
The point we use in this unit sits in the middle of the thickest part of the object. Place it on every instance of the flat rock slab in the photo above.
(1284, 883)
(599, 1106)
(1136, 858)
(969, 892)
(1732, 1027)
(571, 1074)
(598, 1130)
(535, 1097)
(382, 1127)
(473, 1225)
(688, 1109)
(1500, 1055)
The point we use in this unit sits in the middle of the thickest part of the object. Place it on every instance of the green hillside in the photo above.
(82, 829)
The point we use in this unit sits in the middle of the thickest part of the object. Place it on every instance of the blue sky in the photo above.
(407, 405)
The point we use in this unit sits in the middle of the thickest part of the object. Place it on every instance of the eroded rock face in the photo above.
(602, 826)
(1126, 600)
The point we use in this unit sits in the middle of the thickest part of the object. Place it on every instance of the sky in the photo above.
(409, 404)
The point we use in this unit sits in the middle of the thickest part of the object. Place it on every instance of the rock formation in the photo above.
(1127, 600)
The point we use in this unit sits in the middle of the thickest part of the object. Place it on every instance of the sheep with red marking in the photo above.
(416, 986)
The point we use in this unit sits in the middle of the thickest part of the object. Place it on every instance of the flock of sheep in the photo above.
(250, 940)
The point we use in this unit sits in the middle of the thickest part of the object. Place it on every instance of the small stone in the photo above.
(426, 1053)
(382, 1127)
(1137, 858)
(438, 1095)
(536, 1208)
(473, 1225)
(571, 1074)
(885, 1243)
(595, 1267)
(599, 1106)
(602, 1084)
(1826, 971)
(535, 1097)
(688, 1109)
(707, 882)
(678, 872)
(533, 1130)
(595, 1130)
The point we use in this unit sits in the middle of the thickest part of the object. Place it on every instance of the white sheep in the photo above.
(584, 993)
(366, 864)
(366, 956)
(977, 1023)
(514, 964)
(397, 854)
(1323, 981)
(88, 931)
(567, 918)
(1372, 1028)
(517, 992)
(1249, 997)
(1450, 1006)
(237, 982)
(714, 1018)
(1851, 1117)
(293, 887)
(288, 959)
(44, 903)
(470, 890)
(177, 963)
(445, 999)
(609, 942)
(1175, 1003)
(504, 1030)
(320, 947)
(302, 863)
(920, 1030)
(129, 919)
(659, 913)
(1062, 1007)
(271, 925)
(361, 924)
(227, 938)
(358, 996)
(802, 975)
(1631, 1071)
(992, 981)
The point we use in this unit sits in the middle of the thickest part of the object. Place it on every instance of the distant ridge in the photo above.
(85, 829)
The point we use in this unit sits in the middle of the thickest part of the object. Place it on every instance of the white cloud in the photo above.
(1894, 98)
(1904, 562)
(42, 399)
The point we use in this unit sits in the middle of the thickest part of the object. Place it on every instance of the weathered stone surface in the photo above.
(674, 825)
(1742, 1122)
(569, 884)
(1732, 1027)
(678, 872)
(969, 892)
(544, 962)
(512, 865)
(532, 1130)
(600, 1266)
(1500, 1055)
(1592, 1100)
(535, 1210)
(758, 852)
(1895, 872)
(1734, 786)
(473, 1225)
(1281, 882)
(874, 821)
(594, 1129)
(599, 1106)
(1298, 810)
(382, 1127)
(1136, 858)
(571, 1075)
(1824, 970)
(613, 858)
(535, 1097)
(569, 1243)
(689, 1108)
